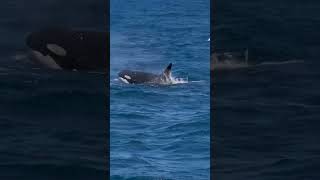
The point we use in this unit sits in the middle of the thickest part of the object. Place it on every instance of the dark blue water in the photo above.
(160, 132)
(266, 116)
(52, 124)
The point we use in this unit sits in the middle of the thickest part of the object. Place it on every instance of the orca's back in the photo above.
(138, 77)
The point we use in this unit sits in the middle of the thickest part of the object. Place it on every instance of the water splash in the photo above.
(175, 80)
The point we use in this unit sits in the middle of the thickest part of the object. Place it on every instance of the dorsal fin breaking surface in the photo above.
(167, 71)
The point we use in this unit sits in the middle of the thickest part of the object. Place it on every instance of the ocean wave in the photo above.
(230, 64)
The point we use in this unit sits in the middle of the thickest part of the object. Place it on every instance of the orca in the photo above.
(66, 49)
(139, 77)
(229, 60)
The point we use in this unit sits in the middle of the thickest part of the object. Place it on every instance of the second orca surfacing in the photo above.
(139, 77)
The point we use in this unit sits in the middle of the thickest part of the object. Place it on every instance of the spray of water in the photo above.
(176, 80)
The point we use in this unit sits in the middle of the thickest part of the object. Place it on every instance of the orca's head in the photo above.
(125, 76)
(46, 48)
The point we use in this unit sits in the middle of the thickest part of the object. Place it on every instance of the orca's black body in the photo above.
(139, 77)
(70, 50)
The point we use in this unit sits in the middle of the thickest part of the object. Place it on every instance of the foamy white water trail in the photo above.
(175, 80)
(280, 63)
(238, 65)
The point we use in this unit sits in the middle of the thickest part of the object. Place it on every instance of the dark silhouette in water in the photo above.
(138, 77)
(69, 49)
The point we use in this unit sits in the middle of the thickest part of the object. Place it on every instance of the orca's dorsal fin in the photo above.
(167, 71)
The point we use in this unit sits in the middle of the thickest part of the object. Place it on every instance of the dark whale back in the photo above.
(138, 77)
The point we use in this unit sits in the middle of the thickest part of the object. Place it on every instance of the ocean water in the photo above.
(160, 131)
(266, 115)
(52, 123)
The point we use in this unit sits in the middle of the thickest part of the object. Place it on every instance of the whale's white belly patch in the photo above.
(45, 60)
(123, 80)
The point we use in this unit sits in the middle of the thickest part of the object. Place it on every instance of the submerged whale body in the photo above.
(139, 77)
(69, 50)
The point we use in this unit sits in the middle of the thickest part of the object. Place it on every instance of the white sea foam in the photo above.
(179, 80)
(280, 62)
(176, 80)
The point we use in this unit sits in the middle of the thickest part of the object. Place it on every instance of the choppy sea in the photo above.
(266, 115)
(52, 124)
(160, 131)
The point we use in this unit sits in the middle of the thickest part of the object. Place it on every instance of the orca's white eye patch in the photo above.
(58, 50)
(127, 77)
(124, 80)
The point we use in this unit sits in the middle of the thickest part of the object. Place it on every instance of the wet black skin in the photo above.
(86, 50)
(139, 77)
